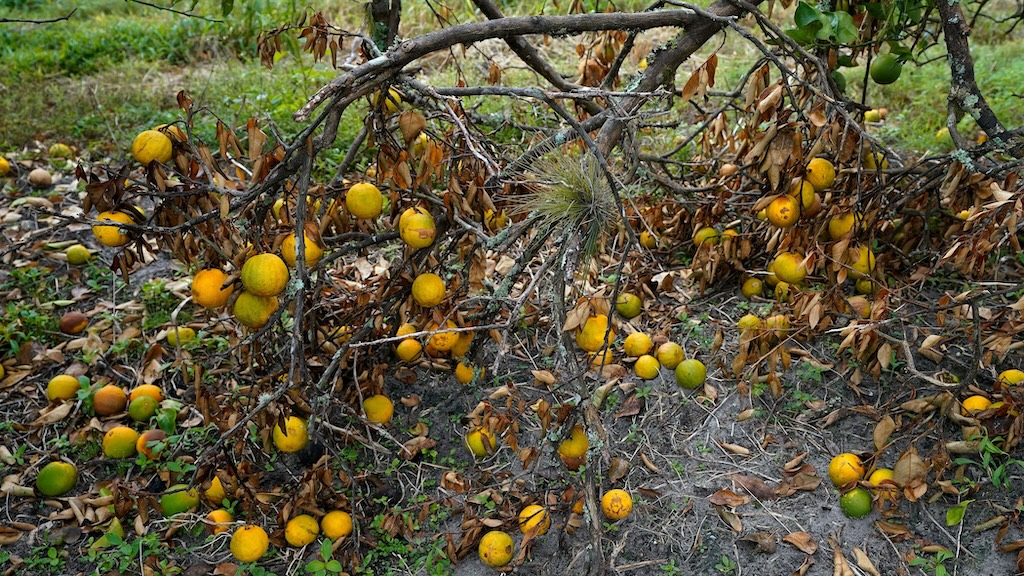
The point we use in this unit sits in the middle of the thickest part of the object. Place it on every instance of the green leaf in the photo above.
(876, 10)
(806, 14)
(955, 515)
(846, 31)
(802, 36)
(226, 6)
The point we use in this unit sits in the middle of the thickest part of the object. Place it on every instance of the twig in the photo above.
(50, 21)
(179, 12)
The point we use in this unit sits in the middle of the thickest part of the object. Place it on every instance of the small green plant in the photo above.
(934, 564)
(671, 569)
(994, 460)
(160, 303)
(726, 565)
(22, 323)
(45, 559)
(325, 564)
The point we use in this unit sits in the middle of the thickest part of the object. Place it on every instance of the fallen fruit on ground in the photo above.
(464, 373)
(336, 524)
(151, 390)
(752, 287)
(706, 235)
(790, 268)
(180, 335)
(976, 403)
(151, 451)
(109, 400)
(110, 234)
(784, 211)
(481, 442)
(616, 504)
(573, 450)
(648, 240)
(443, 340)
(301, 530)
(215, 494)
(496, 548)
(208, 288)
(218, 521)
(647, 367)
(690, 374)
(428, 290)
(592, 336)
(290, 254)
(670, 355)
(294, 437)
(249, 543)
(56, 479)
(1011, 376)
(40, 178)
(878, 476)
(77, 254)
(151, 145)
(637, 344)
(378, 409)
(5, 167)
(142, 409)
(534, 518)
(748, 322)
(120, 442)
(364, 200)
(254, 311)
(856, 503)
(179, 498)
(264, 275)
(73, 322)
(628, 305)
(62, 387)
(845, 468)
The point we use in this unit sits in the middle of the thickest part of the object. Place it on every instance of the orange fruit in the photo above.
(120, 442)
(208, 288)
(628, 305)
(109, 400)
(637, 344)
(249, 543)
(706, 235)
(110, 234)
(142, 408)
(856, 503)
(820, 173)
(784, 211)
(461, 347)
(254, 311)
(151, 390)
(336, 524)
(840, 226)
(408, 349)
(573, 450)
(56, 479)
(1011, 376)
(670, 355)
(790, 267)
(77, 254)
(294, 437)
(264, 275)
(142, 445)
(885, 69)
(464, 373)
(445, 340)
(616, 504)
(62, 387)
(496, 548)
(647, 367)
(648, 240)
(428, 290)
(416, 227)
(378, 409)
(215, 494)
(690, 373)
(218, 521)
(845, 468)
(290, 254)
(534, 518)
(180, 334)
(591, 337)
(862, 260)
(5, 167)
(976, 403)
(751, 287)
(151, 145)
(804, 192)
(481, 441)
(301, 530)
(748, 322)
(364, 200)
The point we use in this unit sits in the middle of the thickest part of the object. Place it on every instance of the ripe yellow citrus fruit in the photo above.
(5, 167)
(976, 403)
(599, 359)
(62, 387)
(591, 337)
(151, 145)
(336, 524)
(445, 340)
(840, 226)
(249, 543)
(691, 373)
(254, 311)
(290, 253)
(119, 442)
(179, 499)
(481, 441)
(1011, 376)
(173, 132)
(874, 161)
(208, 288)
(885, 69)
(408, 350)
(706, 235)
(628, 305)
(180, 334)
(784, 211)
(782, 292)
(301, 530)
(789, 267)
(873, 115)
(417, 228)
(364, 200)
(845, 468)
(151, 390)
(56, 479)
(464, 373)
(110, 234)
(495, 222)
(820, 173)
(77, 254)
(862, 260)
(219, 520)
(804, 193)
(534, 518)
(142, 408)
(294, 437)
(576, 445)
(865, 286)
(647, 367)
(860, 306)
(752, 287)
(215, 494)
(670, 355)
(637, 344)
(149, 445)
(748, 322)
(109, 400)
(378, 409)
(616, 504)
(462, 345)
(428, 290)
(264, 275)
(60, 150)
(496, 549)
(388, 103)
(880, 475)
(648, 240)
(856, 503)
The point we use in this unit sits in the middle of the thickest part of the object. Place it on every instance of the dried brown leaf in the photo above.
(802, 541)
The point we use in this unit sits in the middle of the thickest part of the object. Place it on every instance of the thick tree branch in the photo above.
(410, 50)
(963, 90)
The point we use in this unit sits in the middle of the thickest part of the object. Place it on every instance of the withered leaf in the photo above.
(728, 498)
(883, 430)
(617, 469)
(755, 486)
(730, 518)
(864, 562)
(413, 447)
(764, 542)
(909, 468)
(802, 541)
